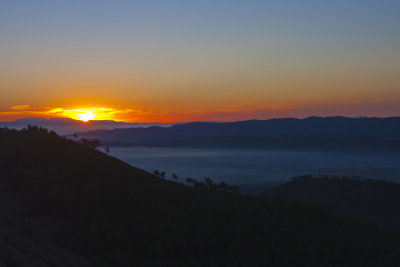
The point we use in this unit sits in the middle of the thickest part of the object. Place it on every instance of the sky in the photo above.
(208, 60)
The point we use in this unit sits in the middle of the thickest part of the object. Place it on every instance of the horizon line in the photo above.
(205, 121)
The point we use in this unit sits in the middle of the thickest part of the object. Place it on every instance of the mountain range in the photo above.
(67, 126)
(313, 133)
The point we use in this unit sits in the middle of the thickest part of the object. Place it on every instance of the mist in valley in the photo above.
(255, 169)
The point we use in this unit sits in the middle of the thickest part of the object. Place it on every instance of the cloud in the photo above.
(20, 107)
(99, 113)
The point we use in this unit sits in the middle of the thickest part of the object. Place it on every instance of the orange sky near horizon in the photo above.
(231, 113)
(178, 61)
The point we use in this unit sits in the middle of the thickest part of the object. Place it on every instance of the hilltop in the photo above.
(96, 210)
(372, 200)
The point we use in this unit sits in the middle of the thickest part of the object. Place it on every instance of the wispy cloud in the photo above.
(99, 113)
(20, 107)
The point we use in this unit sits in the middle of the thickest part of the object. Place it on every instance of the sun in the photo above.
(86, 116)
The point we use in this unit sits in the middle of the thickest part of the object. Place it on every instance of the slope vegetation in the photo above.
(112, 214)
(372, 200)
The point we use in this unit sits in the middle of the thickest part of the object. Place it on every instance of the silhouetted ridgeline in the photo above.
(370, 199)
(314, 133)
(95, 207)
(64, 126)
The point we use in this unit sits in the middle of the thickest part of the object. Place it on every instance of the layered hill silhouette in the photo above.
(372, 200)
(86, 208)
(71, 122)
(67, 126)
(312, 133)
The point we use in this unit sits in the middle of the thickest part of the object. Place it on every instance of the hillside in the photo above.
(369, 199)
(98, 210)
(314, 133)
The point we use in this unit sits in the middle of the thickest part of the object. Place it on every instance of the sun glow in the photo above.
(86, 116)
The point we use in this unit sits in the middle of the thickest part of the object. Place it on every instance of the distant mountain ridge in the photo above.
(67, 122)
(69, 126)
(287, 133)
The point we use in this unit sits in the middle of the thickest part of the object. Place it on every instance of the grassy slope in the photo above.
(118, 215)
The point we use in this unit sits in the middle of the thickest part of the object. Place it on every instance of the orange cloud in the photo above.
(20, 107)
(95, 113)
(142, 115)
(83, 114)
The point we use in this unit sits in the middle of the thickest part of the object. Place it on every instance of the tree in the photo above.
(189, 180)
(156, 172)
(223, 186)
(208, 181)
(75, 135)
(162, 175)
(174, 176)
(233, 188)
(90, 143)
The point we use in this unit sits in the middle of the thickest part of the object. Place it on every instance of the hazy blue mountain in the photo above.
(289, 133)
(69, 126)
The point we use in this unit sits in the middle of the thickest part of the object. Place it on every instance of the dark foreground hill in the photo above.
(71, 205)
(314, 133)
(369, 199)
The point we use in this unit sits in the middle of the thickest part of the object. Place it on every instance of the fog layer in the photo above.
(253, 169)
